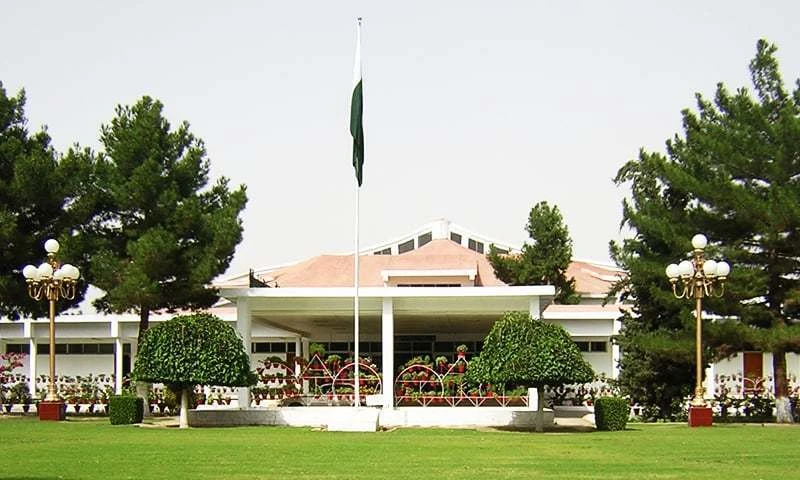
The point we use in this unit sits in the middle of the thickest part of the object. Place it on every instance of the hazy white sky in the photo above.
(474, 111)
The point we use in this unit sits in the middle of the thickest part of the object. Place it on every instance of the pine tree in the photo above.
(544, 261)
(158, 234)
(36, 196)
(732, 175)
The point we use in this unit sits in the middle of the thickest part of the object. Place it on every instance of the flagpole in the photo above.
(358, 139)
(357, 386)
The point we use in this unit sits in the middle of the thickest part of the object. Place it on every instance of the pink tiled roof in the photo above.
(441, 254)
(592, 277)
(337, 270)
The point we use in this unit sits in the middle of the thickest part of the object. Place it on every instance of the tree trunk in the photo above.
(143, 388)
(783, 407)
(540, 409)
(186, 392)
(144, 323)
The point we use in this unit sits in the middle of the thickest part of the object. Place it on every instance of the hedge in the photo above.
(125, 409)
(611, 413)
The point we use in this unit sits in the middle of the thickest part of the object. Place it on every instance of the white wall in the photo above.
(71, 365)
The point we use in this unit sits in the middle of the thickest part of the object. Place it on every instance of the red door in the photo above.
(753, 372)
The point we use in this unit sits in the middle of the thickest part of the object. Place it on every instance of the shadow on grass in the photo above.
(32, 478)
(549, 429)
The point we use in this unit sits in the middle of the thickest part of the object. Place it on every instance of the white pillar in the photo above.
(304, 342)
(134, 352)
(27, 332)
(32, 366)
(615, 353)
(535, 309)
(387, 350)
(298, 351)
(118, 354)
(243, 324)
(711, 384)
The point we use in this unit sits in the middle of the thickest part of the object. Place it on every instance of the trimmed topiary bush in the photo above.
(523, 351)
(125, 409)
(611, 413)
(190, 350)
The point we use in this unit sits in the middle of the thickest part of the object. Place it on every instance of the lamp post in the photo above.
(698, 278)
(51, 281)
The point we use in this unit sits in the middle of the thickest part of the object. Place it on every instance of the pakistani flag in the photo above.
(357, 111)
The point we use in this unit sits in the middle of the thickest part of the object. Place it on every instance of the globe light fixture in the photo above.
(696, 279)
(51, 281)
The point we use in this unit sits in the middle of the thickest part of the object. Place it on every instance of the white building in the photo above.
(421, 294)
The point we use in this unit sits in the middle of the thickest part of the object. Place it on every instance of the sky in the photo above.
(473, 111)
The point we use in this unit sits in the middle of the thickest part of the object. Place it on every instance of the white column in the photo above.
(298, 351)
(243, 324)
(711, 384)
(134, 352)
(27, 332)
(32, 366)
(387, 350)
(534, 308)
(615, 353)
(304, 342)
(118, 354)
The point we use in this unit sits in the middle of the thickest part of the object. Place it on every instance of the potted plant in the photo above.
(441, 362)
(316, 349)
(23, 395)
(333, 361)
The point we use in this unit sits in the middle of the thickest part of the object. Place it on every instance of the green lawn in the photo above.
(78, 449)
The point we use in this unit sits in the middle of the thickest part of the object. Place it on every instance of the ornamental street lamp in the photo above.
(51, 281)
(698, 278)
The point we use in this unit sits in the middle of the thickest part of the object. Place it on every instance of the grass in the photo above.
(78, 449)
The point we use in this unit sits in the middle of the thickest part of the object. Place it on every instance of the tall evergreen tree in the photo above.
(544, 261)
(159, 234)
(36, 197)
(733, 175)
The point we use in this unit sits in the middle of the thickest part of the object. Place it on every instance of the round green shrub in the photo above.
(611, 413)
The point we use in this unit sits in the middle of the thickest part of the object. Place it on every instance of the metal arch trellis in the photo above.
(421, 385)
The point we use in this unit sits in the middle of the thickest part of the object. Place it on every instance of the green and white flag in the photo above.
(357, 110)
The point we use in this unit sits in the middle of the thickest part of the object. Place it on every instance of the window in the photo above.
(406, 246)
(81, 348)
(501, 251)
(423, 239)
(585, 346)
(268, 347)
(428, 284)
(455, 237)
(475, 245)
(448, 347)
(385, 251)
(598, 346)
(18, 348)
